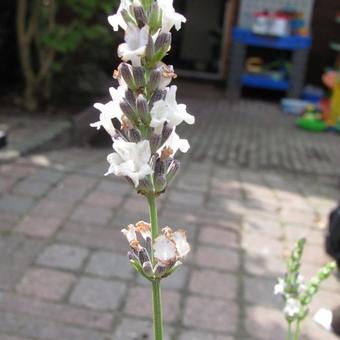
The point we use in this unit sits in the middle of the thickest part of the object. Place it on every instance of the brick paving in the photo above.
(63, 267)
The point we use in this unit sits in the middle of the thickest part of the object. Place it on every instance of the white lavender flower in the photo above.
(169, 249)
(131, 160)
(134, 47)
(292, 308)
(279, 288)
(117, 20)
(169, 16)
(110, 110)
(169, 111)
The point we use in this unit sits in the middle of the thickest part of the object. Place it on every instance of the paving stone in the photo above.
(24, 325)
(15, 204)
(138, 303)
(47, 175)
(56, 312)
(7, 221)
(265, 323)
(51, 208)
(6, 184)
(104, 199)
(31, 188)
(264, 265)
(224, 259)
(210, 314)
(98, 294)
(117, 187)
(186, 199)
(16, 255)
(187, 335)
(214, 284)
(11, 337)
(134, 329)
(262, 225)
(78, 181)
(63, 256)
(259, 291)
(218, 237)
(38, 226)
(66, 194)
(46, 284)
(92, 214)
(109, 265)
(94, 236)
(260, 245)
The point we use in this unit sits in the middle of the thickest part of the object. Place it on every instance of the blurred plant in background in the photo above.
(296, 292)
(52, 37)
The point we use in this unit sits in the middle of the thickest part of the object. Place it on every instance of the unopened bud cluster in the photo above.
(296, 293)
(143, 113)
(158, 259)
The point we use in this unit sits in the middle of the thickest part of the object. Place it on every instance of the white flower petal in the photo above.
(144, 229)
(175, 143)
(168, 110)
(169, 17)
(182, 245)
(134, 47)
(292, 307)
(131, 160)
(164, 250)
(279, 288)
(130, 233)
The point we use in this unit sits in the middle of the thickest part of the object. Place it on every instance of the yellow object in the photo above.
(334, 116)
(254, 65)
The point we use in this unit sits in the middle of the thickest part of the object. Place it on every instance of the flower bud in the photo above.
(143, 256)
(130, 98)
(145, 187)
(128, 111)
(160, 183)
(147, 268)
(116, 124)
(134, 135)
(163, 42)
(125, 70)
(158, 95)
(166, 132)
(159, 167)
(150, 48)
(172, 171)
(160, 270)
(138, 75)
(155, 79)
(127, 17)
(155, 142)
(155, 18)
(140, 16)
(131, 256)
(142, 106)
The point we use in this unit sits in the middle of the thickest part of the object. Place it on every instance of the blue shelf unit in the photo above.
(264, 82)
(249, 38)
(242, 38)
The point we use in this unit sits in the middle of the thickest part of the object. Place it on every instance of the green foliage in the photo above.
(77, 24)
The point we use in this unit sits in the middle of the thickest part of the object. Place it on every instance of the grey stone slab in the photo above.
(109, 265)
(16, 203)
(63, 256)
(98, 294)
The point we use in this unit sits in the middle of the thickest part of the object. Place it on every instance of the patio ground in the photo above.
(249, 187)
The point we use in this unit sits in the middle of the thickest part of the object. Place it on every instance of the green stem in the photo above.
(157, 310)
(297, 330)
(290, 335)
(156, 289)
